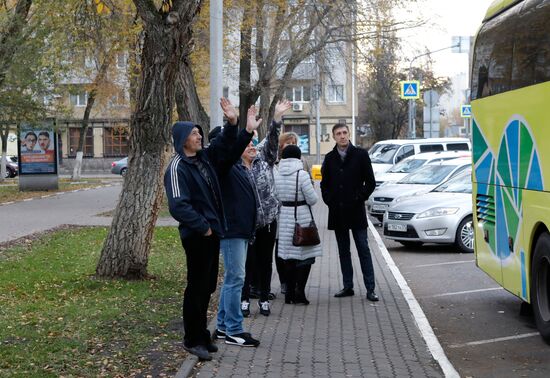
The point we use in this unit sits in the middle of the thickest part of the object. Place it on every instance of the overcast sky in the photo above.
(446, 18)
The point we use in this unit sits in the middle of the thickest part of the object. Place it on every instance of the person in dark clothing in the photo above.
(347, 182)
(259, 160)
(240, 208)
(195, 201)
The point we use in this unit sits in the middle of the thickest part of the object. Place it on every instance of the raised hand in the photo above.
(229, 111)
(281, 107)
(251, 122)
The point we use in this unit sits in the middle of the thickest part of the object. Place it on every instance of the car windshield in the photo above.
(461, 183)
(384, 154)
(428, 175)
(407, 166)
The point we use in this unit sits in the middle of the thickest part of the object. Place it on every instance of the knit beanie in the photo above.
(291, 151)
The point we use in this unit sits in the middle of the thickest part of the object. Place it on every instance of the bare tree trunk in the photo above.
(125, 253)
(82, 136)
(188, 103)
(4, 132)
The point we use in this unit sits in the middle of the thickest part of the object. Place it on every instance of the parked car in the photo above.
(421, 181)
(12, 168)
(412, 163)
(443, 215)
(386, 153)
(120, 167)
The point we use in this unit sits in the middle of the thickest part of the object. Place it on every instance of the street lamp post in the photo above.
(412, 104)
(216, 62)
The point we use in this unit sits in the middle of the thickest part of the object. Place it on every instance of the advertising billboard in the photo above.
(37, 149)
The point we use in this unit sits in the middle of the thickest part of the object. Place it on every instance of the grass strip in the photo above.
(57, 319)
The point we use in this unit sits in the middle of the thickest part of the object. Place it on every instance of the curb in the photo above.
(189, 363)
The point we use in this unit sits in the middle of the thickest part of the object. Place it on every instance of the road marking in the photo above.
(419, 317)
(445, 263)
(464, 292)
(498, 339)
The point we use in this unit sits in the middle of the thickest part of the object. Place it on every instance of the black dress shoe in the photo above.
(371, 296)
(345, 292)
(200, 351)
(211, 348)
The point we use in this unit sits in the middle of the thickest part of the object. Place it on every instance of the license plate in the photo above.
(379, 207)
(397, 227)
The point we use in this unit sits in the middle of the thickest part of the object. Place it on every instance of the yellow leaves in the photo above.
(166, 6)
(101, 7)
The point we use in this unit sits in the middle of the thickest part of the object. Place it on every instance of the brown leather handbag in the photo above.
(304, 235)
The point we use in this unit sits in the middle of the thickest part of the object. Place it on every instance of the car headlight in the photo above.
(437, 212)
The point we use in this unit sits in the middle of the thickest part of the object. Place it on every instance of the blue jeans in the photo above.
(230, 317)
(360, 235)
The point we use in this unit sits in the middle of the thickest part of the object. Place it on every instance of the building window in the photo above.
(118, 98)
(79, 99)
(303, 135)
(299, 94)
(74, 136)
(89, 62)
(226, 92)
(335, 93)
(115, 141)
(121, 60)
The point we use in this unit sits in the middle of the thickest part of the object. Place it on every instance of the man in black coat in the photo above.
(348, 181)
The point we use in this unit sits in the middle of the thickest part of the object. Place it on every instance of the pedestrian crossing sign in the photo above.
(410, 90)
(466, 111)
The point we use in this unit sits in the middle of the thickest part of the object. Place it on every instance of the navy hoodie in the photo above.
(239, 202)
(191, 200)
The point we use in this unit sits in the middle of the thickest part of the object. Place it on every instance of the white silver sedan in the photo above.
(443, 215)
(420, 181)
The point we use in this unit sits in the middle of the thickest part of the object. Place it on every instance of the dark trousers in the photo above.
(202, 253)
(360, 235)
(297, 274)
(280, 264)
(259, 261)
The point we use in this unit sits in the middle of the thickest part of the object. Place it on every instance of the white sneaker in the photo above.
(245, 308)
(264, 308)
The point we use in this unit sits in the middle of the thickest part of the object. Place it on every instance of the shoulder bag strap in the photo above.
(296, 202)
(296, 198)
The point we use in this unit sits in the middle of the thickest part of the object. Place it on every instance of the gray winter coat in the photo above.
(285, 183)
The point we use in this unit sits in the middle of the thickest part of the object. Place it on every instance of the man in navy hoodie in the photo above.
(195, 201)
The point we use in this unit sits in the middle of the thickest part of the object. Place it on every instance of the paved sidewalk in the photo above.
(332, 337)
(78, 207)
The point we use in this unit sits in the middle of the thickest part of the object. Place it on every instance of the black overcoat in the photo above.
(345, 186)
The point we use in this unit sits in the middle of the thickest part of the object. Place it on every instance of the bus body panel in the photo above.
(511, 149)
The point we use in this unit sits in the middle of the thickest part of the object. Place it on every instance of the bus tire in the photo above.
(540, 286)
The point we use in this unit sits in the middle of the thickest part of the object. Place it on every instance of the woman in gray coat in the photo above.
(297, 259)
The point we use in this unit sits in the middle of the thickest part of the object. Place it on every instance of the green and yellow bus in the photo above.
(510, 92)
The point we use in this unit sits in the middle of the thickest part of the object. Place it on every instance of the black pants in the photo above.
(297, 274)
(202, 253)
(280, 264)
(259, 261)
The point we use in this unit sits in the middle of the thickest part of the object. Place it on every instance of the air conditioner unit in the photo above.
(297, 107)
